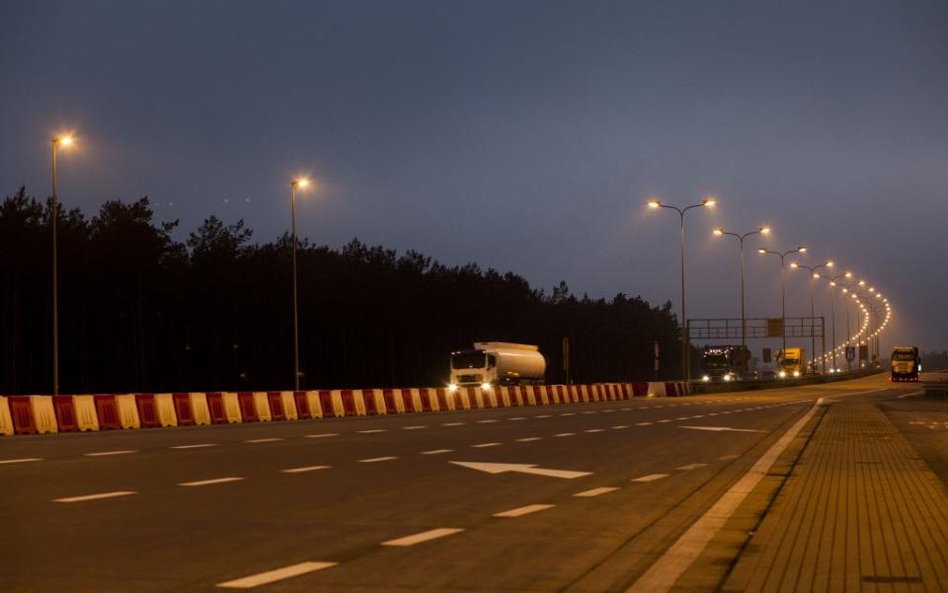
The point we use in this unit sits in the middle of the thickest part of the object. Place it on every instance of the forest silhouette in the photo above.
(142, 312)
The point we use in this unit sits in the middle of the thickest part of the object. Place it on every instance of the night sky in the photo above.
(522, 136)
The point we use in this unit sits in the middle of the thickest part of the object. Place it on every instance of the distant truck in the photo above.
(906, 363)
(490, 364)
(792, 362)
(724, 363)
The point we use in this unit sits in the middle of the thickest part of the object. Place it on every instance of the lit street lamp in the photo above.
(654, 203)
(833, 284)
(740, 237)
(300, 183)
(64, 140)
(783, 288)
(815, 274)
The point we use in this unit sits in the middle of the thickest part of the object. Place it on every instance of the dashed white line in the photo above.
(372, 431)
(595, 492)
(691, 466)
(665, 421)
(424, 536)
(568, 414)
(200, 446)
(453, 424)
(683, 418)
(267, 440)
(543, 416)
(643, 423)
(322, 435)
(485, 445)
(436, 451)
(419, 427)
(95, 496)
(565, 434)
(588, 412)
(619, 427)
(377, 459)
(529, 439)
(22, 460)
(272, 576)
(110, 453)
(517, 419)
(591, 430)
(488, 421)
(650, 478)
(521, 511)
(300, 470)
(210, 482)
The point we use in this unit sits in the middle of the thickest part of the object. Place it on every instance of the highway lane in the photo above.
(326, 505)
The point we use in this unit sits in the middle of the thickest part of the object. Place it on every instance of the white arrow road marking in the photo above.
(272, 576)
(722, 429)
(522, 468)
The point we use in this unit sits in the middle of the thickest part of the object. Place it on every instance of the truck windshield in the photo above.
(472, 359)
(904, 356)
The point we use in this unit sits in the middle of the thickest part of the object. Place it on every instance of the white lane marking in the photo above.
(95, 496)
(418, 427)
(565, 434)
(488, 421)
(543, 416)
(110, 453)
(643, 423)
(518, 418)
(728, 457)
(300, 470)
(453, 424)
(529, 439)
(272, 576)
(568, 414)
(210, 482)
(649, 478)
(322, 435)
(377, 459)
(595, 492)
(522, 468)
(665, 421)
(586, 413)
(200, 446)
(485, 445)
(691, 466)
(267, 440)
(521, 511)
(437, 451)
(424, 536)
(22, 460)
(698, 416)
(609, 411)
(372, 431)
(591, 430)
(913, 394)
(619, 427)
(721, 429)
(683, 418)
(663, 574)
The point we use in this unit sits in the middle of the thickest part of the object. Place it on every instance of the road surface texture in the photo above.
(819, 488)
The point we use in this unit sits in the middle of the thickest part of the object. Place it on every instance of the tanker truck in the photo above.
(490, 364)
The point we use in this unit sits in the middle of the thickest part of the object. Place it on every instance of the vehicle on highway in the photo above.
(723, 364)
(906, 363)
(490, 364)
(792, 362)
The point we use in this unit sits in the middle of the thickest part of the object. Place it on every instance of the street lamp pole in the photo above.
(296, 183)
(815, 275)
(55, 143)
(783, 289)
(740, 237)
(833, 284)
(654, 203)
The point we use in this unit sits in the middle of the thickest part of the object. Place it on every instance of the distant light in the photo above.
(710, 201)
(719, 231)
(794, 265)
(654, 203)
(65, 140)
(761, 250)
(301, 182)
(801, 249)
(765, 230)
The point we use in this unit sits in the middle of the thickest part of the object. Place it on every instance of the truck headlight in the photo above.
(485, 386)
(782, 374)
(452, 387)
(796, 373)
(706, 378)
(728, 378)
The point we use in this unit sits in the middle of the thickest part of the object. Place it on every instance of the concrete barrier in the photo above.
(127, 411)
(6, 420)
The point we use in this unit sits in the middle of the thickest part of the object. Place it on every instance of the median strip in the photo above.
(273, 576)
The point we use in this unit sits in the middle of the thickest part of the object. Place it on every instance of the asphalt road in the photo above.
(590, 496)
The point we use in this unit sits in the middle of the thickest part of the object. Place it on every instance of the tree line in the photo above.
(142, 312)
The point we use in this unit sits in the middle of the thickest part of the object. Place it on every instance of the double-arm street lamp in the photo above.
(56, 142)
(300, 183)
(740, 237)
(655, 203)
(783, 288)
(833, 283)
(815, 274)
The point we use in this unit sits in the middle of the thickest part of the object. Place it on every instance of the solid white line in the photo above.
(95, 496)
(663, 574)
(519, 512)
(23, 460)
(529, 439)
(210, 482)
(108, 453)
(485, 445)
(268, 440)
(650, 478)
(377, 459)
(321, 435)
(424, 536)
(201, 446)
(595, 492)
(300, 470)
(437, 451)
(272, 576)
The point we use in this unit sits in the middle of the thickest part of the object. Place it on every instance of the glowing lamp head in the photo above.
(301, 183)
(65, 140)
(761, 250)
(765, 230)
(794, 265)
(801, 249)
(709, 201)
(654, 203)
(719, 231)
(830, 264)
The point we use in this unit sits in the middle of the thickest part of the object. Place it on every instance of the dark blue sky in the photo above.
(523, 136)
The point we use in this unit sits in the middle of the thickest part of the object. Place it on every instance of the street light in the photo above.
(655, 203)
(64, 140)
(300, 183)
(815, 274)
(740, 237)
(783, 288)
(833, 284)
